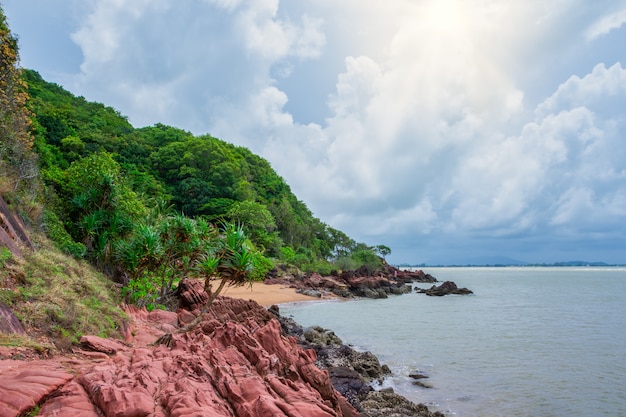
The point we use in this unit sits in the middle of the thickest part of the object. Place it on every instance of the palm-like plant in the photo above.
(230, 263)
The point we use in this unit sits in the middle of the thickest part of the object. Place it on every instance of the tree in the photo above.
(96, 205)
(382, 250)
(258, 223)
(160, 251)
(17, 161)
(229, 262)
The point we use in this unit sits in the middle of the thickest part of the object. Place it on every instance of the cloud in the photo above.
(429, 130)
(186, 63)
(605, 25)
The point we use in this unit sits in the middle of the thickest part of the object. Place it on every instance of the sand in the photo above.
(267, 295)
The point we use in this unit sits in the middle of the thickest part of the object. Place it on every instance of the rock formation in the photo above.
(360, 283)
(446, 288)
(352, 372)
(12, 232)
(236, 363)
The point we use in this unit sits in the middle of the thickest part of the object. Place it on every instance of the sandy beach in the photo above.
(267, 295)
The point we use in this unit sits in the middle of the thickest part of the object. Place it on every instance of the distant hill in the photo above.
(574, 263)
(502, 261)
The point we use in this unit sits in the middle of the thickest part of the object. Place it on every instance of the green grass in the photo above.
(59, 298)
(5, 256)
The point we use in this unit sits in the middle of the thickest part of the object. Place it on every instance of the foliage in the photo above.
(261, 266)
(60, 298)
(142, 292)
(382, 250)
(257, 222)
(18, 163)
(97, 205)
(56, 232)
(159, 252)
(5, 256)
(201, 176)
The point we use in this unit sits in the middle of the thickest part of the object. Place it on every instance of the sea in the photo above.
(531, 341)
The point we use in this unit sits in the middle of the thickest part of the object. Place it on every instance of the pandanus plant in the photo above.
(230, 263)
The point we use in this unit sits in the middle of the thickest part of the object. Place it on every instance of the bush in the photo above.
(261, 265)
(56, 232)
(143, 292)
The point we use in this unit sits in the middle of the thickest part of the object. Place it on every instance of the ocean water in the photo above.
(530, 342)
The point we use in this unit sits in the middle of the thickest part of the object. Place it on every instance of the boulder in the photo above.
(191, 294)
(99, 344)
(387, 403)
(320, 336)
(446, 288)
(363, 282)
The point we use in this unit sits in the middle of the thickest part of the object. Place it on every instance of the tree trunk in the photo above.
(166, 339)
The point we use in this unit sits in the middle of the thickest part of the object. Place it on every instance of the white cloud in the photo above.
(430, 130)
(606, 24)
(594, 89)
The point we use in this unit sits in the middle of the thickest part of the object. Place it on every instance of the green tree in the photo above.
(229, 262)
(258, 223)
(98, 207)
(382, 250)
(17, 161)
(160, 252)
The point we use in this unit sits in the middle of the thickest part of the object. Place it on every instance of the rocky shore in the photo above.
(243, 360)
(352, 372)
(362, 282)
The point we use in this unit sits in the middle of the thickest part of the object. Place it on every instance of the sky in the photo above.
(448, 130)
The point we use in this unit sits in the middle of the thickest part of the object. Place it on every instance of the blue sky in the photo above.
(445, 129)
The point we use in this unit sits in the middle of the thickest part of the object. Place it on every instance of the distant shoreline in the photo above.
(520, 265)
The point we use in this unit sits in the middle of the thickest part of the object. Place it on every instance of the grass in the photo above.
(59, 298)
(18, 340)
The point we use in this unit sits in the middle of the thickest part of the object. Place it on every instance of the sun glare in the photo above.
(446, 16)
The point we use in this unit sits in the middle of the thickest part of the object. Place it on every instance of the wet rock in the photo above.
(320, 336)
(310, 292)
(386, 403)
(419, 383)
(352, 373)
(446, 288)
(350, 384)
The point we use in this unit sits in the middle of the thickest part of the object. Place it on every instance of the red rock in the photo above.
(236, 364)
(25, 385)
(98, 344)
(9, 323)
(71, 401)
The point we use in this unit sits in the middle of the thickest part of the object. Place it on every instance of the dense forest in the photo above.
(144, 205)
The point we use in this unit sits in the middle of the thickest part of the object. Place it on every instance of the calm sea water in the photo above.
(530, 342)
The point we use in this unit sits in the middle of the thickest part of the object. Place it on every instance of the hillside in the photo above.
(144, 207)
(198, 176)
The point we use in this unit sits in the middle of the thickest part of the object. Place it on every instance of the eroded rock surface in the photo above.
(236, 363)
